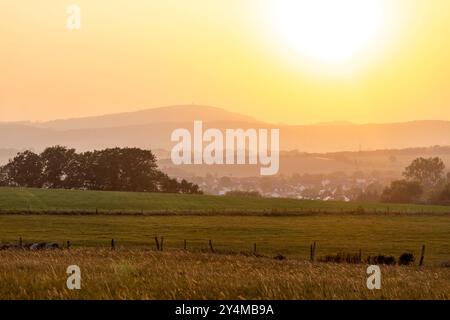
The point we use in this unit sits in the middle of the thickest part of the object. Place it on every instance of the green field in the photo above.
(289, 236)
(28, 200)
(277, 226)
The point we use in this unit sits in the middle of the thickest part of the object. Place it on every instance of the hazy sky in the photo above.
(281, 61)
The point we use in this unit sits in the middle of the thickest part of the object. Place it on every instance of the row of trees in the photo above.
(116, 169)
(424, 182)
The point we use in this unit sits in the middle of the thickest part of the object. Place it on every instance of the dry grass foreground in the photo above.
(146, 274)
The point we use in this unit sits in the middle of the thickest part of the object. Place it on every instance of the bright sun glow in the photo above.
(330, 31)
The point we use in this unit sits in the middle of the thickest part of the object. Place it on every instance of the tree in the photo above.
(78, 170)
(138, 170)
(402, 191)
(188, 187)
(55, 161)
(442, 196)
(428, 172)
(3, 177)
(169, 185)
(225, 182)
(122, 169)
(25, 169)
(114, 169)
(371, 193)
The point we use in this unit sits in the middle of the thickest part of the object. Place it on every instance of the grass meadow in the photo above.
(146, 274)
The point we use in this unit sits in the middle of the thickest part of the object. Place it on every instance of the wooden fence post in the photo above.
(20, 242)
(254, 248)
(422, 256)
(313, 252)
(113, 245)
(157, 243)
(211, 246)
(68, 244)
(314, 247)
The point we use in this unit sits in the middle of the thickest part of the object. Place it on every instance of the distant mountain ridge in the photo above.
(151, 128)
(334, 123)
(146, 116)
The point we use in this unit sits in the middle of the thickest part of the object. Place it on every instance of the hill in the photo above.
(180, 113)
(151, 129)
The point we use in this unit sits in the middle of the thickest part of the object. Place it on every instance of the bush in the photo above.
(381, 259)
(360, 210)
(342, 258)
(406, 259)
(402, 191)
(441, 195)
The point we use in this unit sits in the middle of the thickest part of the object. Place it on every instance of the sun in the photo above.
(330, 31)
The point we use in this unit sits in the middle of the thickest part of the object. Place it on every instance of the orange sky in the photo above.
(235, 54)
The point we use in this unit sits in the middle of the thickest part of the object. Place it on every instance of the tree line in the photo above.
(113, 169)
(424, 181)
